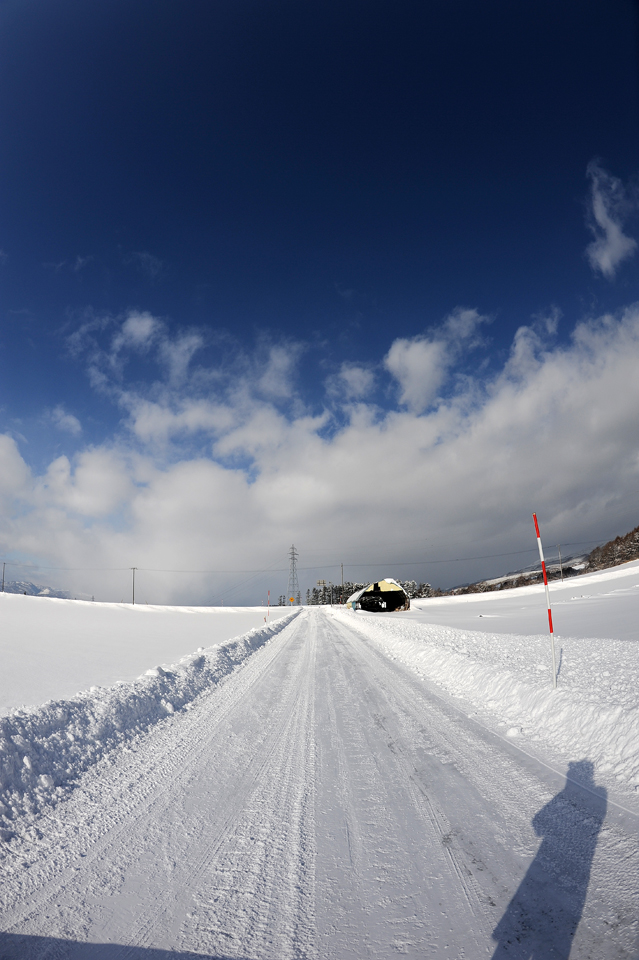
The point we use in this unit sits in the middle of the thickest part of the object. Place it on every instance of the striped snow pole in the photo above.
(543, 570)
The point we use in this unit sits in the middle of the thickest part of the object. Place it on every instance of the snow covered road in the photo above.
(322, 801)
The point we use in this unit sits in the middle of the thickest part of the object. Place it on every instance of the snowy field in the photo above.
(53, 649)
(195, 783)
(601, 604)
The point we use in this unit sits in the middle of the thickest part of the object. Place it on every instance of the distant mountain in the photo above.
(34, 589)
(611, 554)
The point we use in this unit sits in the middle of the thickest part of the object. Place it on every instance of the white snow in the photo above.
(602, 604)
(298, 792)
(493, 651)
(45, 748)
(51, 649)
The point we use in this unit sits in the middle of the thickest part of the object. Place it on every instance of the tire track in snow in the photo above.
(262, 878)
(491, 791)
(320, 802)
(166, 762)
(390, 865)
(386, 701)
(140, 784)
(259, 863)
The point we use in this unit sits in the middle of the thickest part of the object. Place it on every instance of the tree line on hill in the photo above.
(318, 596)
(610, 554)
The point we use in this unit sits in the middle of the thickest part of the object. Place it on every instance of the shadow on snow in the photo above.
(540, 920)
(542, 917)
(17, 946)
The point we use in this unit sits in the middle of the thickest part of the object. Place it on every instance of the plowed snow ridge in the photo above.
(43, 750)
(593, 712)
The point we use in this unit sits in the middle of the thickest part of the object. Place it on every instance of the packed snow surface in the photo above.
(331, 785)
(470, 647)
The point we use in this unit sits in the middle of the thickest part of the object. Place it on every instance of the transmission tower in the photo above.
(293, 585)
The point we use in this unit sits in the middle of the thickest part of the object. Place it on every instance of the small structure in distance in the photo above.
(293, 585)
(382, 596)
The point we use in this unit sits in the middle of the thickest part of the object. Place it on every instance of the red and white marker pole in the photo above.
(543, 570)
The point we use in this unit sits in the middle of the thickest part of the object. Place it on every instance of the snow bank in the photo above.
(44, 749)
(51, 649)
(593, 713)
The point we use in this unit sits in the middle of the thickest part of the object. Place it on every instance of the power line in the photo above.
(414, 563)
(319, 566)
(232, 590)
(38, 566)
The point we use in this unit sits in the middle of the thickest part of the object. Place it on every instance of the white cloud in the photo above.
(138, 332)
(82, 340)
(14, 476)
(177, 354)
(66, 421)
(98, 484)
(421, 364)
(555, 430)
(463, 325)
(276, 380)
(610, 205)
(159, 422)
(352, 382)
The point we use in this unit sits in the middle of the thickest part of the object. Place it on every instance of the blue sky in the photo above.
(318, 272)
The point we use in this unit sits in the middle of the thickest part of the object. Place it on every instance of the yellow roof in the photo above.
(383, 585)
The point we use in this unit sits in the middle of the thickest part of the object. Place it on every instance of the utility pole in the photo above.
(561, 569)
(293, 584)
(341, 599)
(133, 570)
(3, 566)
(552, 632)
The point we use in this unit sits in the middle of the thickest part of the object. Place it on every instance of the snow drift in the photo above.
(43, 750)
(506, 678)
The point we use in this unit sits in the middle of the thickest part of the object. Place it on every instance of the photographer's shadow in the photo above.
(542, 917)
